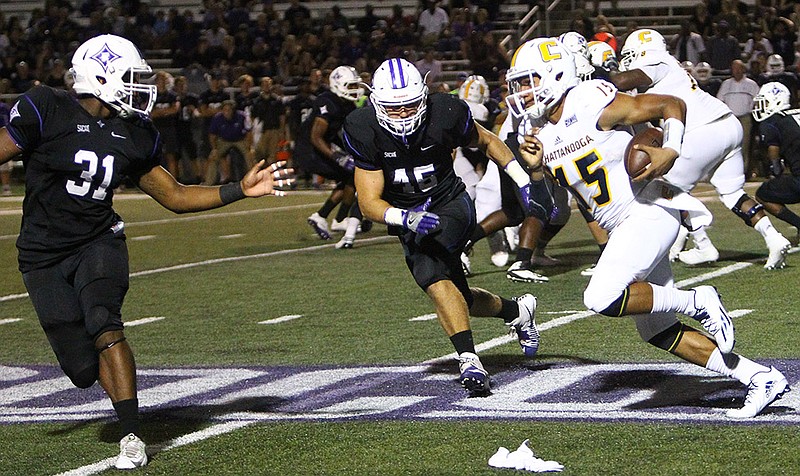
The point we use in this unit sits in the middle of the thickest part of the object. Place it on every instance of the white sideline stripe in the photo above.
(289, 317)
(230, 237)
(9, 321)
(142, 238)
(424, 317)
(145, 320)
(376, 239)
(739, 312)
(201, 216)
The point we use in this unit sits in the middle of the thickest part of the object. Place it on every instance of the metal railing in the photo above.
(531, 23)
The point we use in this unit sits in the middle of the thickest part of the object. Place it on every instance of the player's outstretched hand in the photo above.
(261, 180)
(661, 160)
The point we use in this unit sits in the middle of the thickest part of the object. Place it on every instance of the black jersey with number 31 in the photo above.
(424, 167)
(73, 162)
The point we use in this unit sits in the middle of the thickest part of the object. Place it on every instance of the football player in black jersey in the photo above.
(315, 151)
(404, 176)
(72, 251)
(780, 132)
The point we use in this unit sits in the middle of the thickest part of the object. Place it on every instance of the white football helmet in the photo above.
(638, 44)
(603, 55)
(575, 42)
(398, 87)
(475, 89)
(771, 98)
(108, 67)
(774, 65)
(345, 82)
(583, 68)
(702, 71)
(551, 64)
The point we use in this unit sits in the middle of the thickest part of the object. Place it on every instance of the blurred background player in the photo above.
(314, 146)
(713, 141)
(779, 127)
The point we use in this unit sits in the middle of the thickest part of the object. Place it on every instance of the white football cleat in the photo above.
(337, 225)
(500, 259)
(524, 326)
(589, 271)
(320, 226)
(131, 453)
(521, 272)
(709, 254)
(765, 388)
(473, 377)
(346, 243)
(713, 317)
(779, 247)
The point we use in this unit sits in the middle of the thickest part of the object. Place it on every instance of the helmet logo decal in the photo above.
(544, 49)
(644, 36)
(105, 57)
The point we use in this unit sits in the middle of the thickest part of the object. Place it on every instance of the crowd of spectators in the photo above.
(295, 50)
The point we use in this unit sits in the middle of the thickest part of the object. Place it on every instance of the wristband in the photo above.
(231, 192)
(394, 216)
(517, 173)
(673, 134)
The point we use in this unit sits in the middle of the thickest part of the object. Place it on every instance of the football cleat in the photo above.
(131, 453)
(521, 272)
(500, 259)
(695, 256)
(589, 271)
(524, 326)
(320, 226)
(765, 387)
(337, 225)
(779, 247)
(713, 317)
(473, 377)
(466, 265)
(346, 243)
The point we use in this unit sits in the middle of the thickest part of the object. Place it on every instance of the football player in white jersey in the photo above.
(580, 146)
(712, 141)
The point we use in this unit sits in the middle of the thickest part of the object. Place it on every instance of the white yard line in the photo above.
(8, 321)
(144, 320)
(286, 318)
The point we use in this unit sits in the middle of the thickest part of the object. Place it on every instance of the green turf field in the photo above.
(205, 287)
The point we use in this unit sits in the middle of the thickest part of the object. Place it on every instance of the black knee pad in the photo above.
(85, 377)
(670, 338)
(746, 215)
(617, 308)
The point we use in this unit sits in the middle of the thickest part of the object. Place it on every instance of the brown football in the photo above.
(637, 160)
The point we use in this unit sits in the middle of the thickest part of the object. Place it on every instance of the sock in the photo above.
(128, 415)
(343, 213)
(509, 310)
(667, 299)
(463, 342)
(524, 254)
(764, 226)
(327, 208)
(789, 217)
(701, 239)
(734, 366)
(352, 227)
